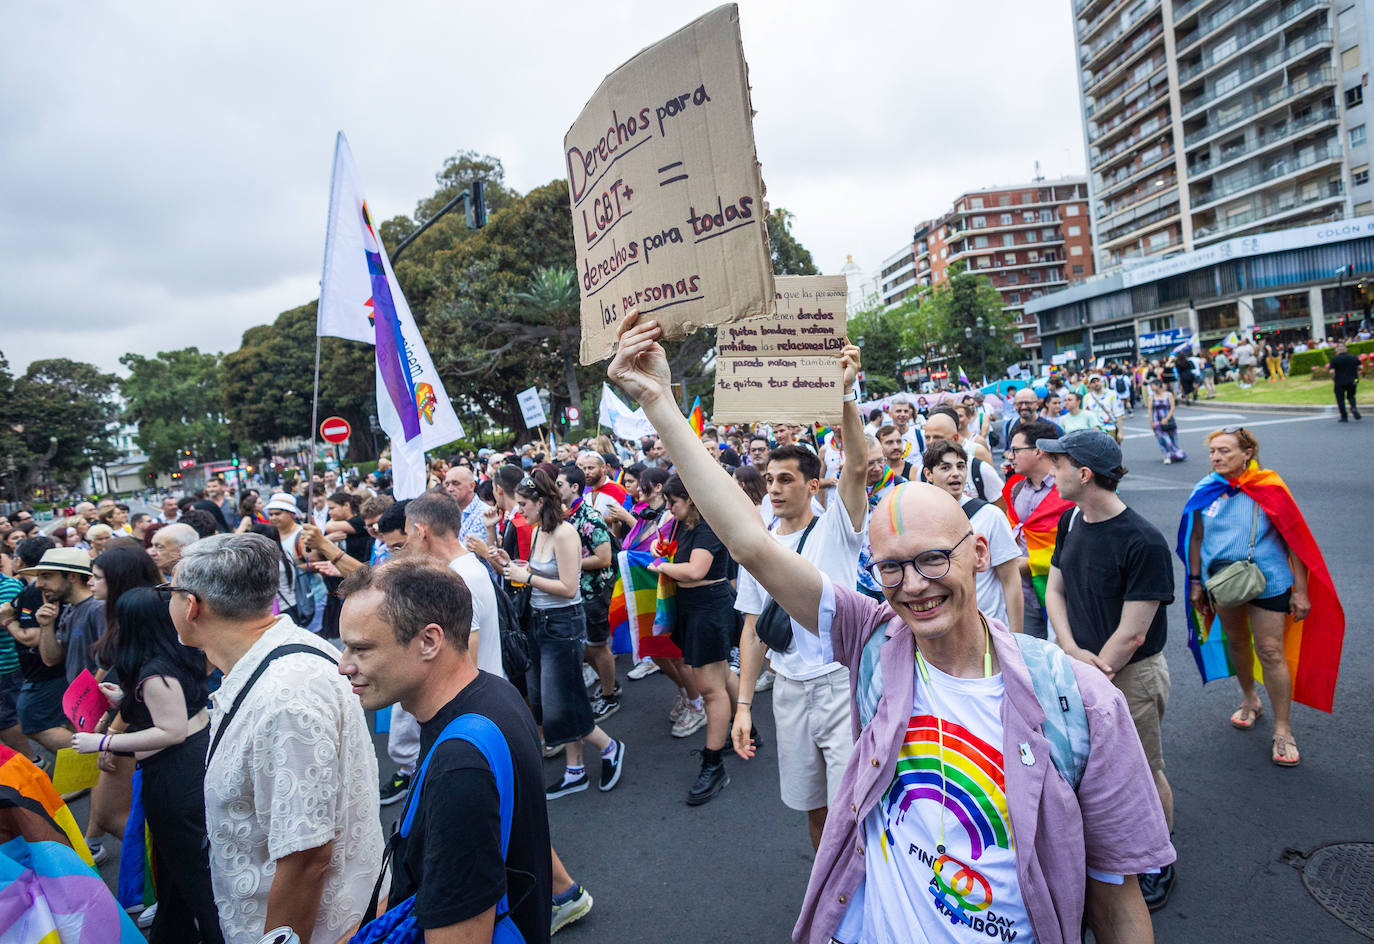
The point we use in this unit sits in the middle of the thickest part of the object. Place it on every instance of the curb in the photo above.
(1263, 407)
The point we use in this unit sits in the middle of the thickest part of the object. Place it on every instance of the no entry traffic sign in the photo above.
(335, 429)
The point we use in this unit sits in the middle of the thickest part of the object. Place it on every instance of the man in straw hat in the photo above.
(63, 574)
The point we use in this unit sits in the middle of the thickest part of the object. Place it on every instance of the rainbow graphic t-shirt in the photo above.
(957, 883)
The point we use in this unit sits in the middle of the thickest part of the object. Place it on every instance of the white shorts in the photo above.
(814, 737)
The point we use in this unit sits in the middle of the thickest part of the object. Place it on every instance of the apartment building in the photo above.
(1205, 120)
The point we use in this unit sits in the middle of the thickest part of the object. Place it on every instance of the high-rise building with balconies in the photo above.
(1207, 119)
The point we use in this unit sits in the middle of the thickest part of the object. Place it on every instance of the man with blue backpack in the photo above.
(997, 787)
(478, 869)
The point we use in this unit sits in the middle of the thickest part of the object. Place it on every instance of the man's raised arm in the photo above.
(640, 367)
(853, 487)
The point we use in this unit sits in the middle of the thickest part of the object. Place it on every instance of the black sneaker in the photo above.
(710, 781)
(603, 708)
(596, 692)
(756, 738)
(1156, 886)
(612, 766)
(563, 786)
(395, 790)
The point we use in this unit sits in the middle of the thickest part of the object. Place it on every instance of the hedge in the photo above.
(1302, 363)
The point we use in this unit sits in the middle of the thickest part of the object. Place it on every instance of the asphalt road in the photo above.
(736, 868)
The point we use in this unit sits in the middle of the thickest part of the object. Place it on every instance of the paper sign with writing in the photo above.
(84, 703)
(531, 407)
(72, 771)
(666, 194)
(785, 368)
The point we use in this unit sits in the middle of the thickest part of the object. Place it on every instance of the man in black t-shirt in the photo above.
(1345, 377)
(405, 627)
(1111, 577)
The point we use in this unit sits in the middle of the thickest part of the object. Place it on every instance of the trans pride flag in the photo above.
(643, 609)
(1041, 530)
(1312, 646)
(360, 300)
(49, 891)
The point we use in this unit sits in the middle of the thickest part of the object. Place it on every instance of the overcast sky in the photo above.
(165, 166)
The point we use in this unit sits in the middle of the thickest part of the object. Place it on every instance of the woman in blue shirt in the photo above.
(1221, 534)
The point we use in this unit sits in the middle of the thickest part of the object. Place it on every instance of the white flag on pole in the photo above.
(361, 301)
(626, 424)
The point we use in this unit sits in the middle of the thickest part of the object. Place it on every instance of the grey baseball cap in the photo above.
(1087, 447)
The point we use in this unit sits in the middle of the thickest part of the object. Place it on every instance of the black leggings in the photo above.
(174, 803)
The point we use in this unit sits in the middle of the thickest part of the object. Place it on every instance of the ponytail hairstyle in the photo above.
(674, 488)
(537, 486)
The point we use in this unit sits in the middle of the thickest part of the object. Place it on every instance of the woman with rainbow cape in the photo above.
(1296, 623)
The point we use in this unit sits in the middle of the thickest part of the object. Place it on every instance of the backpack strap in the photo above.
(1056, 688)
(973, 506)
(285, 650)
(977, 472)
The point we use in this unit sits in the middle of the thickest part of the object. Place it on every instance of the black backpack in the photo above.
(515, 643)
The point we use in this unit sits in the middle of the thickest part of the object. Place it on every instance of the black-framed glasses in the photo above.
(932, 565)
(1013, 450)
(167, 589)
(1233, 429)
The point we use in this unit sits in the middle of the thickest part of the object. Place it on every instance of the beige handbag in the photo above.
(1238, 582)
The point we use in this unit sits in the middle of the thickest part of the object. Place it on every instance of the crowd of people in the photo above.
(961, 623)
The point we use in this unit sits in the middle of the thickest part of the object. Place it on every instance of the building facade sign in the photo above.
(1159, 340)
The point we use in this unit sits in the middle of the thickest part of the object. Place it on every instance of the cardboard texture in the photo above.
(785, 368)
(666, 194)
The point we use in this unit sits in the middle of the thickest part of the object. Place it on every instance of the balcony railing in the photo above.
(1282, 169)
(1141, 222)
(1272, 22)
(1137, 44)
(1254, 69)
(1235, 9)
(1126, 89)
(1130, 170)
(1147, 99)
(1144, 131)
(1265, 140)
(1108, 39)
(1106, 211)
(1276, 95)
(1189, 7)
(1287, 202)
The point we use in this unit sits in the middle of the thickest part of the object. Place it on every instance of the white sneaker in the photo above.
(690, 723)
(765, 682)
(145, 917)
(679, 706)
(568, 912)
(642, 669)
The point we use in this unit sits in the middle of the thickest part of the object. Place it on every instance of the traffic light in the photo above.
(477, 205)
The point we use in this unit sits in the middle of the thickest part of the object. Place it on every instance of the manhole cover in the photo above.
(1340, 876)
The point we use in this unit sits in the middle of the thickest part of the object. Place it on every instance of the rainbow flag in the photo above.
(696, 419)
(1040, 530)
(1312, 646)
(877, 491)
(50, 892)
(643, 609)
(822, 433)
(136, 868)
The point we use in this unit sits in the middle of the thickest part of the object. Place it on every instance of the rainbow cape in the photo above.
(1040, 530)
(643, 609)
(136, 868)
(50, 892)
(1312, 646)
(696, 419)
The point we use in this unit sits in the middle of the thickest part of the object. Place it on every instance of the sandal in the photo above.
(1245, 717)
(1282, 742)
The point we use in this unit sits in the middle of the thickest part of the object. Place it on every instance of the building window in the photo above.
(1075, 250)
(1346, 19)
(1075, 231)
(1006, 219)
(1033, 255)
(1350, 59)
(1354, 96)
(1078, 270)
(978, 222)
(1159, 239)
(1360, 175)
(980, 242)
(1071, 210)
(1048, 235)
(1012, 277)
(1364, 209)
(1357, 136)
(1028, 216)
(976, 203)
(1014, 298)
(1008, 239)
(1020, 338)
(1004, 200)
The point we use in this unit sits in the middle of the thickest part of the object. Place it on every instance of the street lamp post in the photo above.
(980, 340)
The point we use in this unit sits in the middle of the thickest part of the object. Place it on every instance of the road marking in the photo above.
(1305, 418)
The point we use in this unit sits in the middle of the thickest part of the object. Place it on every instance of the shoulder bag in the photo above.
(1236, 583)
(774, 626)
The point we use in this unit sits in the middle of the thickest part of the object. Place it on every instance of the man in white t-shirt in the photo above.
(434, 526)
(903, 412)
(284, 516)
(999, 587)
(810, 702)
(832, 459)
(983, 482)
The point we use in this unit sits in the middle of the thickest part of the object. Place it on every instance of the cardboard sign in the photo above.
(784, 368)
(666, 194)
(531, 407)
(84, 703)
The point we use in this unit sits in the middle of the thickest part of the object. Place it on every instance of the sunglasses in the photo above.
(1233, 429)
(166, 589)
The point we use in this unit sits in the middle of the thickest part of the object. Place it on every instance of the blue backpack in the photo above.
(398, 924)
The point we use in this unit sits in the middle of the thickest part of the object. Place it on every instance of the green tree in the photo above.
(174, 399)
(880, 333)
(950, 314)
(789, 256)
(61, 411)
(552, 301)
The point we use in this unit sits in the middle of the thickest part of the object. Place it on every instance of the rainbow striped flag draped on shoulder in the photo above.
(643, 609)
(1040, 529)
(50, 892)
(1312, 646)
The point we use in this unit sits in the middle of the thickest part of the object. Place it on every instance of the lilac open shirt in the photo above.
(1114, 824)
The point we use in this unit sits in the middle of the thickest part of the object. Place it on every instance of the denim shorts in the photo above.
(558, 638)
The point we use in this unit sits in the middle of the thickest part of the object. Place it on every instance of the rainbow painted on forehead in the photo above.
(893, 511)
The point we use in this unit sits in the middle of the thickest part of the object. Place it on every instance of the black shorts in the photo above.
(705, 623)
(598, 610)
(40, 705)
(11, 683)
(1280, 603)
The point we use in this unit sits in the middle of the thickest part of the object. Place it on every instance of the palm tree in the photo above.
(553, 298)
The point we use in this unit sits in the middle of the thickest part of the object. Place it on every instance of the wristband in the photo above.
(1195, 580)
(103, 741)
(746, 704)
(850, 397)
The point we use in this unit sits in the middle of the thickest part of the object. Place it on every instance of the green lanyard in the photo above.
(940, 723)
